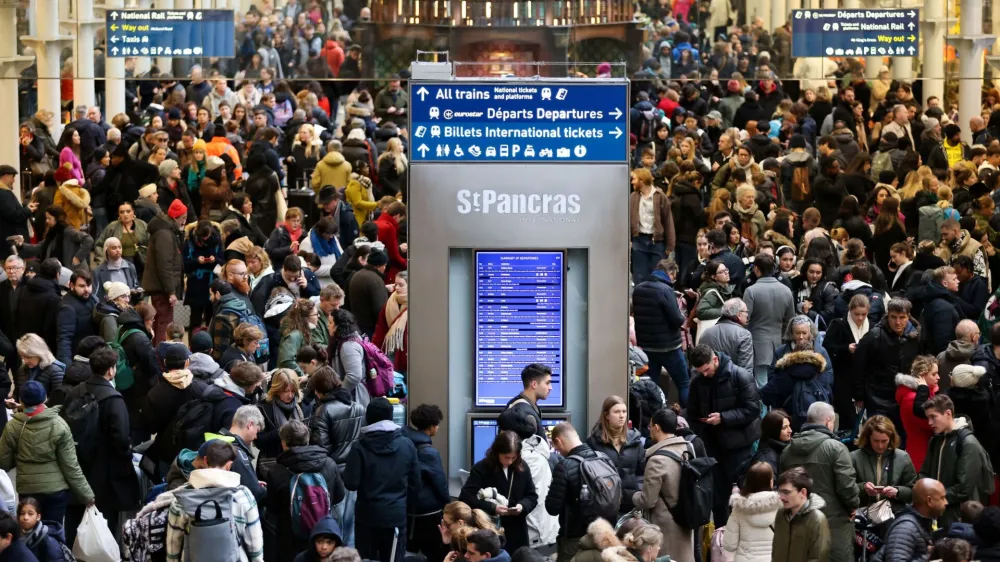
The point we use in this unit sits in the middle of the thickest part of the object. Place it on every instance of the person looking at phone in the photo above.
(884, 471)
(300, 281)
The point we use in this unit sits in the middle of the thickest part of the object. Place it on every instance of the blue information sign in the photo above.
(170, 33)
(519, 321)
(519, 122)
(854, 33)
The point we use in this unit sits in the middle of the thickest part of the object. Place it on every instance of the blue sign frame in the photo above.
(856, 33)
(170, 33)
(524, 122)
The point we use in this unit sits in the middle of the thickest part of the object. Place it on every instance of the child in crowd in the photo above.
(44, 539)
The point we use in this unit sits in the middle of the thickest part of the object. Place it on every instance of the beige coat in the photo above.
(660, 485)
(749, 531)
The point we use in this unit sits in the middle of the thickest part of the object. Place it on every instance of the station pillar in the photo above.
(114, 74)
(779, 14)
(86, 26)
(48, 44)
(11, 66)
(933, 26)
(971, 46)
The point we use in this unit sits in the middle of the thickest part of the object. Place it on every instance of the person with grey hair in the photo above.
(10, 296)
(828, 462)
(247, 422)
(958, 352)
(730, 334)
(900, 125)
(798, 379)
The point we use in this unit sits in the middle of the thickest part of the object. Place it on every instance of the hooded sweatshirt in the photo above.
(245, 515)
(383, 468)
(332, 170)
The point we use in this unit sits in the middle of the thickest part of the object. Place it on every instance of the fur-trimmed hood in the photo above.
(618, 554)
(600, 536)
(966, 376)
(758, 502)
(802, 358)
(909, 381)
(816, 503)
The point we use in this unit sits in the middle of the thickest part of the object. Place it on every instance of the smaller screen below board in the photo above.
(519, 321)
(484, 432)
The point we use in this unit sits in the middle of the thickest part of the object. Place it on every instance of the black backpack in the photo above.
(695, 491)
(82, 413)
(193, 420)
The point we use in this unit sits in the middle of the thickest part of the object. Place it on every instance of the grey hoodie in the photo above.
(204, 367)
(958, 352)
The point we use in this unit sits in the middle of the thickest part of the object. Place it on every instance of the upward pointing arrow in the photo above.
(423, 149)
(912, 50)
(422, 92)
(114, 15)
(114, 50)
(912, 25)
(617, 113)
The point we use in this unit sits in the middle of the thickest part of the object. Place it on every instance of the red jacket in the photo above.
(918, 433)
(334, 56)
(388, 234)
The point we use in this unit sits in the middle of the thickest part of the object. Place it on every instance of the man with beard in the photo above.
(74, 320)
(233, 309)
(299, 281)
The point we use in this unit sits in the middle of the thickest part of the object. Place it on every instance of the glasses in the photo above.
(240, 273)
(721, 271)
(13, 267)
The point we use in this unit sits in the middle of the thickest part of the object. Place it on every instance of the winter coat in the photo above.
(826, 374)
(876, 309)
(892, 468)
(263, 188)
(828, 194)
(74, 321)
(729, 337)
(750, 529)
(216, 196)
(958, 352)
(879, 356)
(49, 376)
(516, 485)
(769, 451)
(434, 483)
(103, 274)
(972, 297)
(367, 295)
(939, 318)
(73, 199)
(630, 460)
(663, 219)
(974, 396)
(600, 537)
(908, 538)
(160, 405)
(46, 541)
(658, 319)
(110, 472)
(39, 305)
(911, 395)
(543, 529)
(732, 392)
(660, 488)
(17, 551)
(225, 408)
(563, 499)
(823, 296)
(770, 307)
(796, 368)
(74, 244)
(333, 170)
(686, 206)
(336, 425)
(140, 355)
(828, 463)
(200, 276)
(297, 460)
(163, 261)
(713, 297)
(391, 181)
(268, 442)
(42, 449)
(383, 469)
(166, 195)
(804, 538)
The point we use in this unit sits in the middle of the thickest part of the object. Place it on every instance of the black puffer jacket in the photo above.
(563, 500)
(732, 392)
(76, 373)
(688, 212)
(139, 351)
(939, 318)
(658, 319)
(336, 424)
(878, 357)
(630, 461)
(769, 451)
(908, 538)
(39, 308)
(74, 321)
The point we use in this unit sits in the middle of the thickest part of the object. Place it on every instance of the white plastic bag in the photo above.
(94, 541)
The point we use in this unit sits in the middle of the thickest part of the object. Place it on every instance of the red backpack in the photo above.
(380, 375)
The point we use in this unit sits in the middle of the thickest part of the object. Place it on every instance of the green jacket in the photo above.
(828, 463)
(892, 468)
(42, 449)
(713, 296)
(288, 349)
(806, 538)
(960, 475)
(600, 536)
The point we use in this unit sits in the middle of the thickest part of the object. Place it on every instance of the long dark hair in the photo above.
(506, 442)
(821, 250)
(770, 426)
(347, 326)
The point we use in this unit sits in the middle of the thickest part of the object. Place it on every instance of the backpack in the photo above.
(124, 376)
(600, 487)
(282, 113)
(880, 163)
(381, 376)
(986, 485)
(211, 533)
(647, 128)
(801, 184)
(82, 414)
(246, 316)
(695, 489)
(804, 393)
(929, 225)
(310, 502)
(188, 428)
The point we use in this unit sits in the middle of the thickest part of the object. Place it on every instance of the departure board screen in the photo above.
(519, 320)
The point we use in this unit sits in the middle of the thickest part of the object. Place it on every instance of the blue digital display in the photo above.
(170, 33)
(846, 33)
(527, 122)
(484, 431)
(519, 321)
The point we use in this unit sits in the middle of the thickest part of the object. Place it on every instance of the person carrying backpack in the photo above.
(99, 421)
(566, 498)
(294, 504)
(213, 517)
(797, 382)
(661, 485)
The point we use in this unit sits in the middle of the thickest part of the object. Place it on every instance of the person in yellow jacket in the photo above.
(360, 195)
(333, 169)
(75, 200)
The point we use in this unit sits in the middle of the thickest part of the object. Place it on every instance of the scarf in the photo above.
(32, 411)
(294, 234)
(196, 173)
(36, 537)
(736, 162)
(283, 413)
(856, 331)
(324, 247)
(749, 213)
(396, 313)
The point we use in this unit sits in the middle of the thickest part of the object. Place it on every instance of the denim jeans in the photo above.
(676, 365)
(645, 255)
(343, 512)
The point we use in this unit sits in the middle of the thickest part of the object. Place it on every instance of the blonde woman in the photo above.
(642, 544)
(751, 218)
(258, 265)
(915, 183)
(392, 166)
(623, 445)
(37, 364)
(884, 471)
(282, 405)
(392, 328)
(296, 331)
(306, 152)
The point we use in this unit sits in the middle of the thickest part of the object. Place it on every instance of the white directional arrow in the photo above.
(422, 92)
(912, 14)
(114, 15)
(617, 132)
(617, 113)
(423, 150)
(114, 38)
(114, 50)
(912, 25)
(912, 50)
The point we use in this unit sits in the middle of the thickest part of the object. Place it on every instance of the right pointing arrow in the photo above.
(423, 150)
(617, 132)
(617, 113)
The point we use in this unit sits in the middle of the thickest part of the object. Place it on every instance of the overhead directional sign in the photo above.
(852, 33)
(170, 33)
(519, 122)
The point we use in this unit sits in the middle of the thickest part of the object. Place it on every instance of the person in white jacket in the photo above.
(535, 452)
(749, 531)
